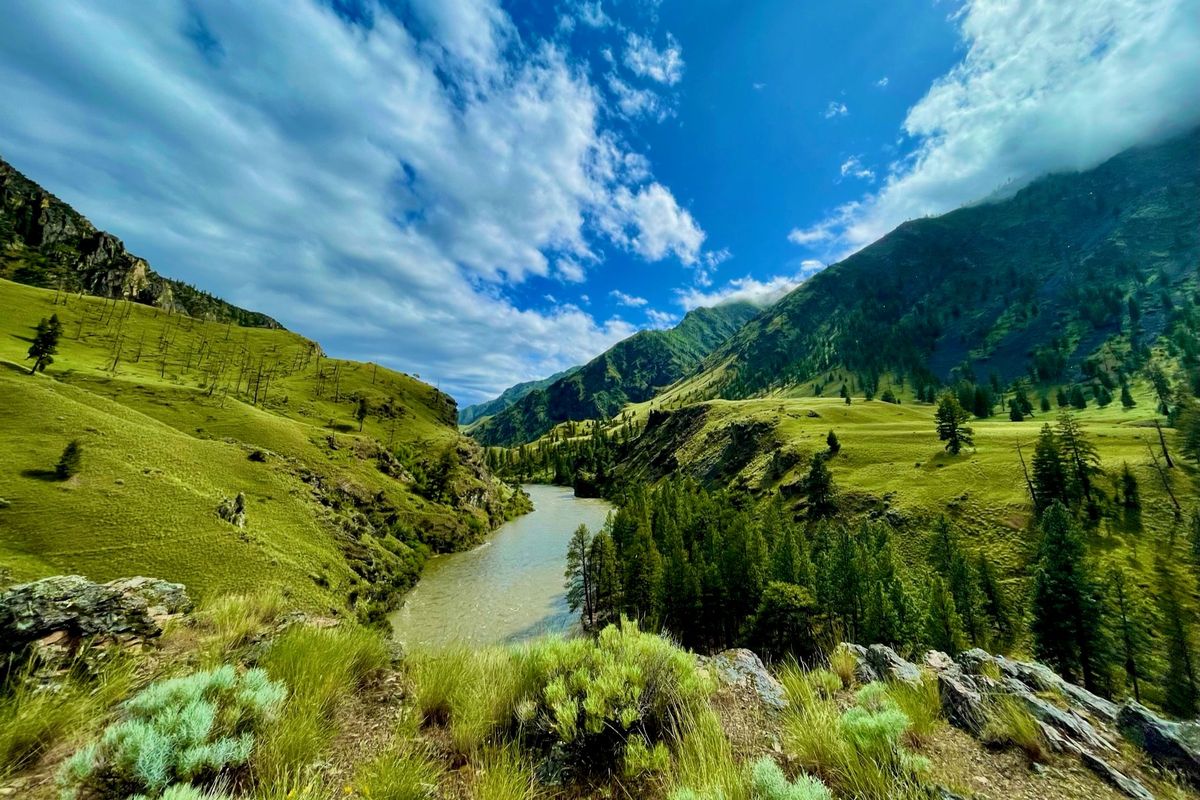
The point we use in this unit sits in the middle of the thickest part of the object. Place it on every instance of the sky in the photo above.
(481, 192)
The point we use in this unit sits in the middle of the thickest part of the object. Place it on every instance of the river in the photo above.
(507, 589)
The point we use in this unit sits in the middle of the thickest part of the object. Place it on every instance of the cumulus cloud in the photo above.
(627, 299)
(592, 15)
(377, 184)
(1042, 87)
(660, 319)
(645, 60)
(747, 289)
(836, 109)
(817, 234)
(634, 102)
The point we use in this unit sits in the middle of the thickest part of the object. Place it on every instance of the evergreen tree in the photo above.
(818, 486)
(1066, 615)
(45, 343)
(606, 579)
(787, 621)
(579, 573)
(832, 441)
(70, 462)
(1078, 400)
(360, 412)
(1134, 628)
(1130, 496)
(1049, 473)
(642, 583)
(943, 627)
(1127, 400)
(951, 424)
(1182, 693)
(1079, 454)
(1014, 411)
(996, 605)
(1061, 398)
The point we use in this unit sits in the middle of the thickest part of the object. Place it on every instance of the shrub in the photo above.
(769, 783)
(1009, 722)
(70, 462)
(183, 791)
(182, 730)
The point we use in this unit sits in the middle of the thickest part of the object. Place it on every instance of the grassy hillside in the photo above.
(1069, 280)
(45, 242)
(176, 415)
(511, 395)
(631, 371)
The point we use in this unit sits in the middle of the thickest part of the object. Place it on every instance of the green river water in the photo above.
(507, 589)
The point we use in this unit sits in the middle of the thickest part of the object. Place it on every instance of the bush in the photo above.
(70, 462)
(769, 783)
(183, 730)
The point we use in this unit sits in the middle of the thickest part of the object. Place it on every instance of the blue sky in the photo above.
(482, 192)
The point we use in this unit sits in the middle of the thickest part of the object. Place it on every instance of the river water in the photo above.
(507, 589)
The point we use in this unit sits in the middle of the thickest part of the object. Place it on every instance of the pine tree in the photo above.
(1066, 615)
(70, 462)
(1130, 496)
(1133, 629)
(642, 584)
(996, 605)
(1049, 473)
(951, 424)
(818, 486)
(360, 412)
(45, 343)
(606, 579)
(1014, 411)
(943, 627)
(1079, 454)
(579, 573)
(787, 621)
(1182, 691)
(832, 442)
(1127, 400)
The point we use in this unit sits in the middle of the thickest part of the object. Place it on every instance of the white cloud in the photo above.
(634, 102)
(627, 299)
(1042, 87)
(836, 109)
(853, 167)
(650, 222)
(365, 184)
(817, 234)
(646, 61)
(592, 15)
(660, 319)
(747, 289)
(758, 86)
(882, 82)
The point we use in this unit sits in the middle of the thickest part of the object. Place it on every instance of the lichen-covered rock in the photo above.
(77, 607)
(741, 668)
(890, 666)
(1174, 745)
(1112, 775)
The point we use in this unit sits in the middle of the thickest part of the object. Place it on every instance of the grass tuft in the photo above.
(1009, 722)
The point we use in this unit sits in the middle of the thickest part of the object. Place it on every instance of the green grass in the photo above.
(161, 452)
(1009, 722)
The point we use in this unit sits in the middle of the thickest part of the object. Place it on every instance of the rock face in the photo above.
(1174, 745)
(743, 669)
(75, 607)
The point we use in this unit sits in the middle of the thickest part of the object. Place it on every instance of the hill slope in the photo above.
(632, 370)
(1033, 285)
(508, 397)
(44, 242)
(177, 415)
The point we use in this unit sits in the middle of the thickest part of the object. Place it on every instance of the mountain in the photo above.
(632, 370)
(44, 242)
(1073, 275)
(508, 397)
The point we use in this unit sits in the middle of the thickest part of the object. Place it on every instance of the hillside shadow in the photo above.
(47, 475)
(22, 338)
(15, 367)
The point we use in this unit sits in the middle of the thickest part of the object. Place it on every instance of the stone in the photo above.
(1115, 777)
(863, 671)
(743, 669)
(75, 607)
(890, 666)
(962, 703)
(1173, 745)
(1067, 722)
(938, 661)
(1042, 678)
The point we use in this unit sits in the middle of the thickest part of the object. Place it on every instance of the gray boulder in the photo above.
(76, 607)
(1174, 745)
(863, 671)
(741, 668)
(1127, 785)
(888, 665)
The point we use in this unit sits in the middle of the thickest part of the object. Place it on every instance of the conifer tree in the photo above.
(1066, 613)
(1049, 473)
(1079, 455)
(996, 605)
(642, 584)
(1180, 684)
(951, 424)
(606, 579)
(579, 573)
(943, 627)
(1130, 495)
(1133, 625)
(1127, 400)
(818, 486)
(360, 412)
(45, 343)
(70, 462)
(787, 621)
(832, 442)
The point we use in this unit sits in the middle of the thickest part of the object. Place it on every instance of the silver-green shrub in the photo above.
(185, 730)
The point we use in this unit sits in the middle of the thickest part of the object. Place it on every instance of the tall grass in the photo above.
(319, 666)
(843, 663)
(405, 772)
(503, 775)
(921, 703)
(232, 620)
(34, 719)
(1009, 722)
(704, 761)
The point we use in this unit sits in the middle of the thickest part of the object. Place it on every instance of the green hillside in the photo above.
(44, 242)
(630, 371)
(176, 415)
(1071, 279)
(511, 395)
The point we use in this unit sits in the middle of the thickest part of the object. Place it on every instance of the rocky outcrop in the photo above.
(72, 607)
(1174, 745)
(744, 670)
(887, 664)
